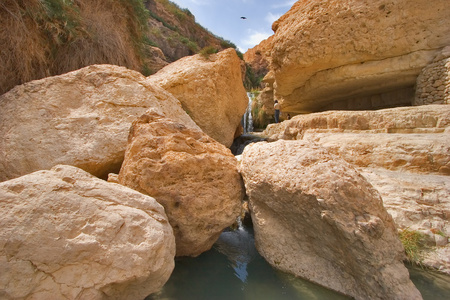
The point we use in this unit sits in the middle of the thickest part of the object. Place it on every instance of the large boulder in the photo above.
(65, 234)
(211, 91)
(193, 176)
(316, 217)
(81, 118)
(402, 152)
(361, 53)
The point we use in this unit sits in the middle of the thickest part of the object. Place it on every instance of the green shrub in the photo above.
(414, 244)
(207, 51)
(251, 81)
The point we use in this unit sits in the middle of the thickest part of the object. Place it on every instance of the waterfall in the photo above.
(247, 120)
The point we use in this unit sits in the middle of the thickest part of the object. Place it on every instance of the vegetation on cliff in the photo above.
(175, 31)
(41, 38)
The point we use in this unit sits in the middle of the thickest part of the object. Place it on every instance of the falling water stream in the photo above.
(233, 270)
(247, 119)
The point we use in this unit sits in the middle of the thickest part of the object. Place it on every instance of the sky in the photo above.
(223, 18)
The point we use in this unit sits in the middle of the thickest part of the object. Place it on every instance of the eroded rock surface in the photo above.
(193, 176)
(65, 234)
(356, 51)
(403, 152)
(210, 90)
(315, 216)
(81, 118)
(418, 202)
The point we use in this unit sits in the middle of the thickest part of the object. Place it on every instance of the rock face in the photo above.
(359, 54)
(67, 235)
(403, 153)
(194, 177)
(210, 90)
(176, 32)
(80, 118)
(433, 83)
(258, 58)
(408, 138)
(315, 216)
(418, 202)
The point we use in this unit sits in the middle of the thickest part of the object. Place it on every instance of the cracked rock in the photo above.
(65, 234)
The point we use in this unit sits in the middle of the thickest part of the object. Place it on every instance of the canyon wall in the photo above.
(356, 54)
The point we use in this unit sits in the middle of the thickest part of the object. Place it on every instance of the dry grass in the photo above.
(41, 38)
(414, 244)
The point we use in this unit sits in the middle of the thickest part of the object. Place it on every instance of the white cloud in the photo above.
(285, 4)
(255, 37)
(270, 17)
(200, 2)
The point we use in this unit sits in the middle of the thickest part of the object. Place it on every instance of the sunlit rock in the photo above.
(65, 234)
(193, 176)
(316, 217)
(403, 152)
(355, 54)
(81, 118)
(210, 90)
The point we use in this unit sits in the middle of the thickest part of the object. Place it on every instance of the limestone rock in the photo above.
(419, 153)
(418, 202)
(156, 59)
(65, 234)
(328, 51)
(194, 177)
(81, 118)
(401, 120)
(403, 152)
(433, 83)
(210, 90)
(315, 216)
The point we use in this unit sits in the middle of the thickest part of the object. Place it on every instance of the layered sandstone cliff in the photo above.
(355, 54)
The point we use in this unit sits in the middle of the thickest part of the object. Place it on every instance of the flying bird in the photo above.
(244, 18)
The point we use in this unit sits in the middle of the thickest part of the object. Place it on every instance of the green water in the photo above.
(233, 269)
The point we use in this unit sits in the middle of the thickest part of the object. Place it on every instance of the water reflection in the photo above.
(432, 286)
(233, 269)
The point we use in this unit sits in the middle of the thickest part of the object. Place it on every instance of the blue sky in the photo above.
(223, 18)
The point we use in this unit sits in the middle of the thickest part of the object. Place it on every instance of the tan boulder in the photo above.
(210, 90)
(413, 139)
(355, 51)
(316, 217)
(402, 152)
(81, 118)
(194, 177)
(65, 234)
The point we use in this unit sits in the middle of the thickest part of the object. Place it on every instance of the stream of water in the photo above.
(233, 270)
(247, 119)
